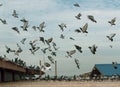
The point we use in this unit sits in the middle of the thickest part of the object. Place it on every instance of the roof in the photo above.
(108, 69)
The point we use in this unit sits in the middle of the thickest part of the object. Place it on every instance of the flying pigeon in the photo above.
(16, 29)
(15, 14)
(53, 54)
(72, 38)
(49, 41)
(112, 22)
(34, 27)
(78, 16)
(77, 63)
(51, 59)
(44, 50)
(1, 4)
(93, 48)
(62, 36)
(76, 5)
(25, 26)
(23, 40)
(62, 26)
(23, 20)
(41, 26)
(9, 49)
(47, 66)
(114, 65)
(42, 39)
(110, 37)
(77, 30)
(19, 50)
(70, 53)
(3, 21)
(34, 50)
(78, 48)
(84, 28)
(92, 18)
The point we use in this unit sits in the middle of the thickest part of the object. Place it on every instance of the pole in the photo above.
(55, 69)
(40, 70)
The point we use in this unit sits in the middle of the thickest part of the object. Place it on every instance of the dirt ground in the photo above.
(61, 84)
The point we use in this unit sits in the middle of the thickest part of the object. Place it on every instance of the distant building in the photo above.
(10, 71)
(100, 71)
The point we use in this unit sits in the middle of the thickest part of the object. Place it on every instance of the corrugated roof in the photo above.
(108, 69)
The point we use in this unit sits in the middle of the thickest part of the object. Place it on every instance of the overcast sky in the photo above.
(54, 12)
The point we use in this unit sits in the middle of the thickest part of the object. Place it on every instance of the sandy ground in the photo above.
(61, 84)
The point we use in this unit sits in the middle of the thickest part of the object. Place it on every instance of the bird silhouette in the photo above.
(110, 37)
(70, 53)
(16, 29)
(41, 27)
(77, 63)
(14, 14)
(78, 48)
(51, 59)
(3, 21)
(62, 26)
(84, 28)
(25, 26)
(93, 48)
(78, 16)
(76, 5)
(112, 22)
(23, 40)
(92, 18)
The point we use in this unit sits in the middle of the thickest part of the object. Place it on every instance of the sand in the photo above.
(61, 84)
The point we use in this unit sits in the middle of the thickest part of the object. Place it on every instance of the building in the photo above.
(10, 71)
(105, 70)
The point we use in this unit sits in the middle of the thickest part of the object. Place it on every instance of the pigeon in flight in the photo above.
(41, 26)
(3, 21)
(84, 28)
(72, 38)
(53, 54)
(25, 26)
(77, 63)
(1, 4)
(42, 39)
(34, 27)
(70, 53)
(49, 41)
(78, 48)
(51, 59)
(112, 22)
(110, 37)
(15, 14)
(9, 49)
(78, 16)
(62, 26)
(62, 36)
(77, 30)
(114, 65)
(16, 29)
(76, 5)
(19, 50)
(23, 20)
(23, 40)
(92, 18)
(93, 48)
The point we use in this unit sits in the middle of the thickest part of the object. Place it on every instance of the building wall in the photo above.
(0, 75)
(8, 76)
(16, 76)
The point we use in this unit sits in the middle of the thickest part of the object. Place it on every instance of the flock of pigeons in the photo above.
(51, 45)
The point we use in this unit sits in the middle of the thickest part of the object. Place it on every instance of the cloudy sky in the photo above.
(54, 12)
